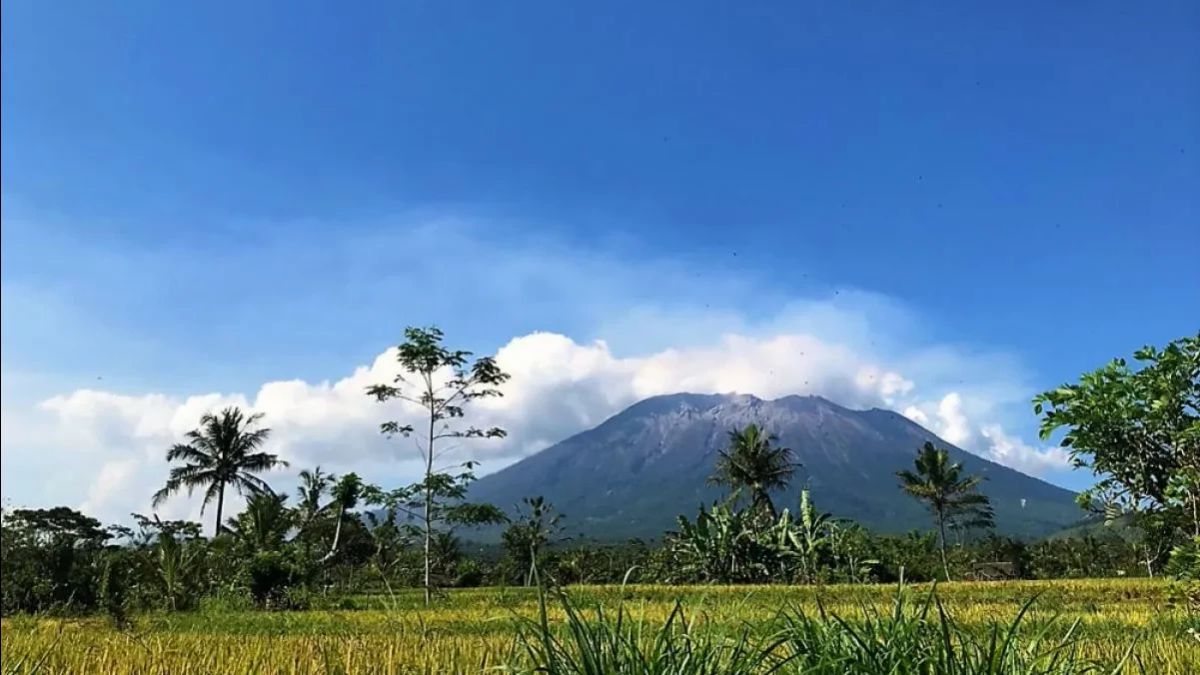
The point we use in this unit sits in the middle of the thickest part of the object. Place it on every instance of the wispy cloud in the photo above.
(583, 334)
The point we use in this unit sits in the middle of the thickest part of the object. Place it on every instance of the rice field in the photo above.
(1122, 625)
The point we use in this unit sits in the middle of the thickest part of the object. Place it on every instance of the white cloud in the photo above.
(667, 325)
(953, 424)
(115, 477)
(917, 415)
(1013, 452)
(558, 387)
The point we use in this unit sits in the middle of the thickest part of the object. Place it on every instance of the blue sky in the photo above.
(206, 198)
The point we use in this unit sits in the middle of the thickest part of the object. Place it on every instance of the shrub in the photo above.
(270, 576)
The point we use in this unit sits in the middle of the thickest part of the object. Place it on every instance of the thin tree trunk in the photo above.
(429, 503)
(1195, 512)
(428, 545)
(942, 544)
(532, 562)
(337, 534)
(220, 508)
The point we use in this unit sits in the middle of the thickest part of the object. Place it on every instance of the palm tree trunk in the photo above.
(337, 534)
(942, 544)
(220, 507)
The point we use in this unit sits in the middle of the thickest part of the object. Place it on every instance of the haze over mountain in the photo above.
(634, 473)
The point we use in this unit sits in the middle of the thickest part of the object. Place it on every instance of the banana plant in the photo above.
(177, 563)
(721, 546)
(812, 538)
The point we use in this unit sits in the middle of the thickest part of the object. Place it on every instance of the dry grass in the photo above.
(474, 630)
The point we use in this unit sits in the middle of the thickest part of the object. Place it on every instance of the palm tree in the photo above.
(753, 464)
(264, 525)
(345, 493)
(950, 495)
(313, 485)
(221, 453)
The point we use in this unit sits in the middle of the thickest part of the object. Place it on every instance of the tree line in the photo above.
(1136, 428)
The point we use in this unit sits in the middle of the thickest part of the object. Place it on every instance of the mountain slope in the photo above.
(634, 473)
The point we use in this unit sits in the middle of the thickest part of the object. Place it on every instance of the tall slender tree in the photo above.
(949, 494)
(346, 492)
(754, 464)
(441, 381)
(314, 484)
(222, 452)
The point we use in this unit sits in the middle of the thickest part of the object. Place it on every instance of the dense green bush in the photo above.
(51, 560)
(59, 560)
(269, 576)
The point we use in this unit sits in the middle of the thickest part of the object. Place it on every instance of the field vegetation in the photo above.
(354, 577)
(1116, 625)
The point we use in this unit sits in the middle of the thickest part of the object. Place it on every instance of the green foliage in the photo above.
(923, 637)
(51, 559)
(721, 546)
(345, 492)
(178, 566)
(222, 452)
(313, 486)
(951, 496)
(275, 556)
(914, 637)
(526, 537)
(606, 563)
(270, 575)
(1136, 429)
(1184, 567)
(115, 578)
(1082, 557)
(753, 464)
(726, 545)
(443, 382)
(809, 541)
(855, 556)
(1185, 561)
(264, 524)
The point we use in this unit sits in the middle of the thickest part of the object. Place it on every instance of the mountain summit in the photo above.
(634, 473)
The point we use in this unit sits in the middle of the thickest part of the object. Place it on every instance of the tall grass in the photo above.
(960, 628)
(912, 637)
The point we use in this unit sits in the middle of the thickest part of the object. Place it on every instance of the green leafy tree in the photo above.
(49, 559)
(150, 527)
(536, 527)
(223, 452)
(442, 382)
(752, 463)
(949, 494)
(1137, 429)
